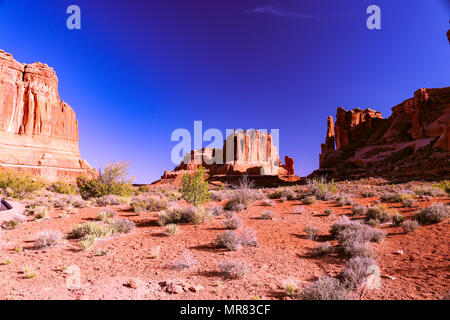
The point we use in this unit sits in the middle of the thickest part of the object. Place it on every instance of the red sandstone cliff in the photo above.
(38, 131)
(414, 142)
(251, 153)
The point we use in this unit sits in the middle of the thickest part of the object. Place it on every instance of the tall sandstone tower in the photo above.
(38, 131)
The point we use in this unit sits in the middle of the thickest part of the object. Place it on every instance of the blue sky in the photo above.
(137, 70)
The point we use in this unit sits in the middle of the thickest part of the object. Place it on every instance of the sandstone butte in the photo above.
(414, 142)
(38, 131)
(248, 152)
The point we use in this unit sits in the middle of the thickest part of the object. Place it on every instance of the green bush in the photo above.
(19, 184)
(63, 188)
(112, 180)
(444, 185)
(194, 187)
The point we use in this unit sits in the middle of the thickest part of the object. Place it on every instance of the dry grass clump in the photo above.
(232, 223)
(312, 232)
(47, 238)
(430, 191)
(234, 269)
(309, 200)
(325, 288)
(321, 189)
(323, 249)
(267, 215)
(234, 241)
(171, 229)
(343, 199)
(111, 200)
(106, 214)
(409, 226)
(359, 210)
(185, 261)
(90, 231)
(194, 215)
(142, 204)
(378, 212)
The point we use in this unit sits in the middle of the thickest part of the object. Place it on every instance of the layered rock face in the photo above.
(251, 153)
(414, 142)
(38, 131)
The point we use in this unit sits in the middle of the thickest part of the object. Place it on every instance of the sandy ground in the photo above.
(122, 267)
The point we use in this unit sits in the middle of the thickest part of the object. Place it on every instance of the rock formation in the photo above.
(38, 131)
(251, 153)
(414, 142)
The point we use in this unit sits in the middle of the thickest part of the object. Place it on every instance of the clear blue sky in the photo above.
(137, 70)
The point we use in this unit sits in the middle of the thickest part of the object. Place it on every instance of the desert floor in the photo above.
(123, 267)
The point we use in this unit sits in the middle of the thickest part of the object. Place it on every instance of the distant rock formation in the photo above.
(38, 131)
(252, 153)
(414, 142)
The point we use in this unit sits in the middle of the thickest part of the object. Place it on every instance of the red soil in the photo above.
(283, 253)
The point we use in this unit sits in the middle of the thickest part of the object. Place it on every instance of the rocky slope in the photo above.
(38, 131)
(414, 142)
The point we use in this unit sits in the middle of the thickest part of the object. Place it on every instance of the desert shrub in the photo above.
(144, 188)
(122, 226)
(80, 203)
(408, 203)
(113, 179)
(289, 194)
(194, 215)
(354, 232)
(323, 249)
(216, 210)
(218, 195)
(267, 203)
(309, 200)
(397, 219)
(233, 223)
(444, 185)
(290, 288)
(171, 229)
(435, 213)
(267, 215)
(229, 240)
(343, 199)
(409, 226)
(356, 271)
(87, 242)
(234, 269)
(378, 212)
(248, 237)
(10, 224)
(373, 222)
(321, 189)
(95, 229)
(142, 204)
(368, 194)
(359, 210)
(185, 261)
(235, 204)
(29, 273)
(40, 213)
(276, 194)
(105, 214)
(19, 184)
(430, 191)
(397, 197)
(356, 247)
(328, 212)
(47, 238)
(325, 288)
(194, 187)
(311, 232)
(62, 187)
